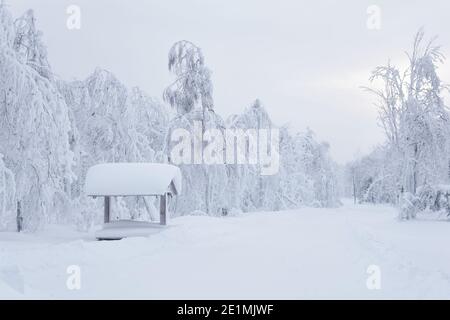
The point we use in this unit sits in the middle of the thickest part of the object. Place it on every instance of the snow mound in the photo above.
(299, 254)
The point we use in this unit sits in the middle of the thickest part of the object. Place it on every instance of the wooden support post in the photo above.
(163, 210)
(107, 209)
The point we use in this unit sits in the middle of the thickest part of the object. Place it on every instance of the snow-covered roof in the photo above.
(132, 179)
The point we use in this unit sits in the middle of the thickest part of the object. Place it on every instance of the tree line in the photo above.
(53, 130)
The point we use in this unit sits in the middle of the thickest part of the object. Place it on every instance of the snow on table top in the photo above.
(128, 179)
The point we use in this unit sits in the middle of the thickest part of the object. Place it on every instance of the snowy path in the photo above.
(307, 253)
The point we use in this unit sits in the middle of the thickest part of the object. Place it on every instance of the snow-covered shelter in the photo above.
(132, 179)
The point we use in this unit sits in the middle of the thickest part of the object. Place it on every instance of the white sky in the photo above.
(305, 60)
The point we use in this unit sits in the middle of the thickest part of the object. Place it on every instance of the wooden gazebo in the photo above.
(132, 179)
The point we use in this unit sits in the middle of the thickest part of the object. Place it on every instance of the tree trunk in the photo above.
(354, 189)
(208, 182)
(414, 181)
(19, 217)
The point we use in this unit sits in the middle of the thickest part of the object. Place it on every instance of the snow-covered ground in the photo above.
(307, 253)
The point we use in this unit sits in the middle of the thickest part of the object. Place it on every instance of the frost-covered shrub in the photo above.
(86, 213)
(434, 198)
(409, 206)
(428, 199)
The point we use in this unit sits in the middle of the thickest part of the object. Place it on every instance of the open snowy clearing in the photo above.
(306, 253)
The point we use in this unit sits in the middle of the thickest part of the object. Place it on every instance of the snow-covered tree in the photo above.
(34, 136)
(417, 127)
(112, 124)
(53, 131)
(191, 96)
(257, 187)
(374, 178)
(192, 88)
(306, 173)
(29, 45)
(296, 186)
(413, 114)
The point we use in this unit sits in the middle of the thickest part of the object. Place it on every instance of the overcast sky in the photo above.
(305, 60)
